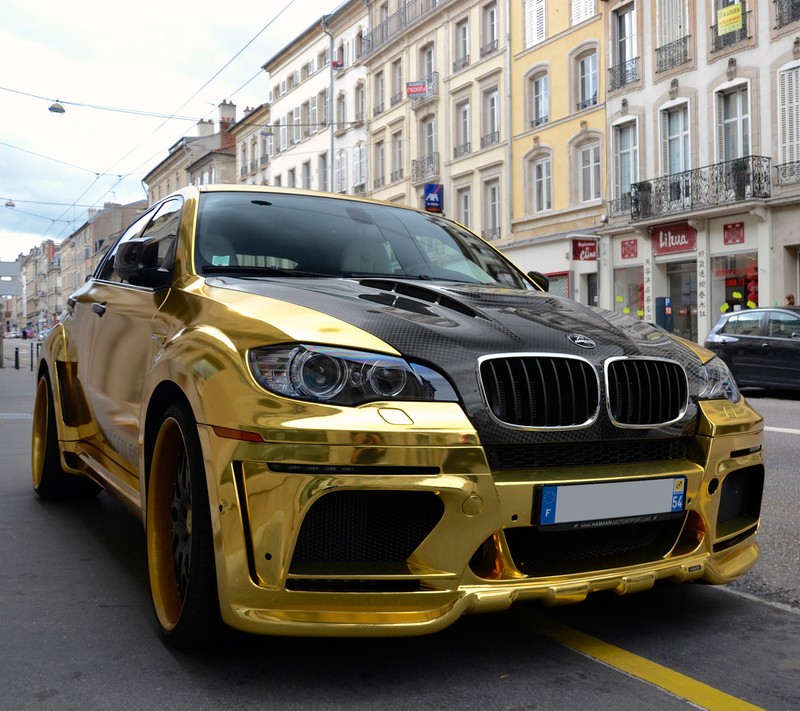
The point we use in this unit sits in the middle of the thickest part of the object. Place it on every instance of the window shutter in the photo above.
(789, 115)
(582, 10)
(534, 21)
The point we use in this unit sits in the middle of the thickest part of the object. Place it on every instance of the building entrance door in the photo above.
(682, 278)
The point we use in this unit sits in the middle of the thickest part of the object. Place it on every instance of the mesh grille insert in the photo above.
(366, 527)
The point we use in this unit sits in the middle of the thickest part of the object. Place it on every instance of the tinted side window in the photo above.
(743, 324)
(782, 324)
(105, 270)
(162, 224)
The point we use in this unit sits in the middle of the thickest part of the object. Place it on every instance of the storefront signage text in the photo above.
(680, 237)
(584, 250)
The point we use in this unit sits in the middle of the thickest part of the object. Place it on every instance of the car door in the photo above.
(742, 349)
(123, 342)
(781, 349)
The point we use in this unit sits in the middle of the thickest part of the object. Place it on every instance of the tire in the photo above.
(50, 481)
(180, 547)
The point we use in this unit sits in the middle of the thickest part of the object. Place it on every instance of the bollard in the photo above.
(16, 357)
(31, 356)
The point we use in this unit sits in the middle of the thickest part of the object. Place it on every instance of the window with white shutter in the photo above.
(789, 114)
(535, 29)
(582, 10)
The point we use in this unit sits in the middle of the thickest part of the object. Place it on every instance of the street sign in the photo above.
(434, 197)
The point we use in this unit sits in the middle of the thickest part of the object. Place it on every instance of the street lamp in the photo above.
(57, 108)
(10, 203)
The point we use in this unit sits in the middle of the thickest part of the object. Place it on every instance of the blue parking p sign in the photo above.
(434, 197)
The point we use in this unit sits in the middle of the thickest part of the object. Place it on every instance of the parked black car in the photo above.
(760, 346)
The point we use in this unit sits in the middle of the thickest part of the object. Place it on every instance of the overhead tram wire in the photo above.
(288, 4)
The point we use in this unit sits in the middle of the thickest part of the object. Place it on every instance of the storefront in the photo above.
(682, 278)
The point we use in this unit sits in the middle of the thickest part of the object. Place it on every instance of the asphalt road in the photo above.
(77, 629)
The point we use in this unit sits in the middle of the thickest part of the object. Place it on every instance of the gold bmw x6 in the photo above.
(341, 417)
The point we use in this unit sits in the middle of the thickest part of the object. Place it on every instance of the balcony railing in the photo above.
(539, 121)
(489, 48)
(719, 184)
(460, 63)
(620, 206)
(431, 90)
(409, 14)
(788, 173)
(424, 167)
(397, 175)
(672, 55)
(728, 39)
(623, 74)
(377, 110)
(396, 98)
(378, 183)
(490, 139)
(462, 150)
(786, 11)
(491, 234)
(586, 103)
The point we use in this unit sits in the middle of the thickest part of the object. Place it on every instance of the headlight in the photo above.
(345, 377)
(716, 382)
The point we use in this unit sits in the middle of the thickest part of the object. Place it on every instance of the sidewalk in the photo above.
(17, 387)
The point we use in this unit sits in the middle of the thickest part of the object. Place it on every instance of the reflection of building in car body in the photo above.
(344, 420)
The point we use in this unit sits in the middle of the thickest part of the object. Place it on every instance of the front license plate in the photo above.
(611, 503)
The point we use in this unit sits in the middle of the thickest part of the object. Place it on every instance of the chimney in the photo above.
(227, 117)
(205, 127)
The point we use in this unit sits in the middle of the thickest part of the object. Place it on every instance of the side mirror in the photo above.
(540, 280)
(136, 262)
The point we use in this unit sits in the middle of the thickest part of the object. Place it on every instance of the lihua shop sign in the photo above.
(678, 237)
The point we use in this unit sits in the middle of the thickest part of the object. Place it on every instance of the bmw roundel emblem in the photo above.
(581, 341)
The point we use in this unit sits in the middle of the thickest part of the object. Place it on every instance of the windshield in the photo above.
(281, 234)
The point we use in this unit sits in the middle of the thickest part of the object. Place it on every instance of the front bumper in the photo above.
(389, 521)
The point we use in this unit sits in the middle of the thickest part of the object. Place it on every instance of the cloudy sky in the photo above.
(110, 65)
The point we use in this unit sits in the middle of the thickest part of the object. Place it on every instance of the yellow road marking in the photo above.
(675, 683)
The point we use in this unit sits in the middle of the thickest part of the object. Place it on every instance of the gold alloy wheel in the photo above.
(41, 417)
(168, 540)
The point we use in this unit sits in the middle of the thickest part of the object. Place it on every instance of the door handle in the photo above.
(99, 309)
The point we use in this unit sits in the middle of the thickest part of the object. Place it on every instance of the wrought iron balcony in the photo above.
(378, 183)
(586, 103)
(462, 150)
(728, 39)
(460, 63)
(672, 55)
(620, 206)
(396, 98)
(623, 74)
(424, 167)
(539, 121)
(491, 234)
(788, 173)
(397, 175)
(719, 184)
(786, 11)
(377, 110)
(398, 22)
(490, 139)
(489, 48)
(431, 90)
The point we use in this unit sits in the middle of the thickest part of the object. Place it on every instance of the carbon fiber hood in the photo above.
(451, 325)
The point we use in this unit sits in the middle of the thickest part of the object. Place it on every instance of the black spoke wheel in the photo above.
(180, 548)
(50, 481)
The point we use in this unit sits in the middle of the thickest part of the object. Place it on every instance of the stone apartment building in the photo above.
(644, 155)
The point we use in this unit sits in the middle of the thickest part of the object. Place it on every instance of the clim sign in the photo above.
(669, 239)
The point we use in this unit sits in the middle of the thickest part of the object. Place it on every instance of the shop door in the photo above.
(683, 292)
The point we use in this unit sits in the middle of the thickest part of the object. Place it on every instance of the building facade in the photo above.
(705, 220)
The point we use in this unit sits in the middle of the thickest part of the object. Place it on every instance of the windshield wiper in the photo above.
(260, 271)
